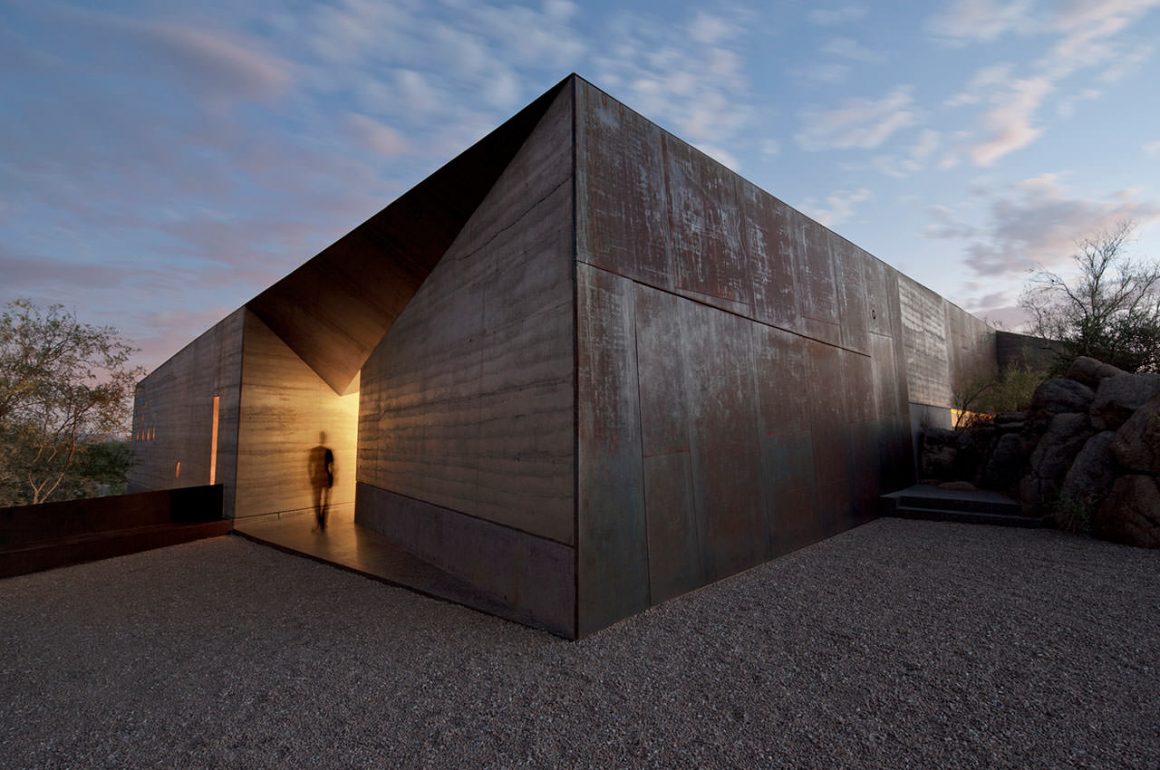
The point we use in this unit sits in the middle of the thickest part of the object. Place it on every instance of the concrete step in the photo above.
(972, 517)
(976, 506)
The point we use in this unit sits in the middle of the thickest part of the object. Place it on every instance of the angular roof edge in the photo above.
(334, 309)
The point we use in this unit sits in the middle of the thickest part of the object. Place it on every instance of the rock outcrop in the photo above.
(1131, 513)
(1089, 371)
(1119, 397)
(1089, 444)
(1092, 474)
(1137, 443)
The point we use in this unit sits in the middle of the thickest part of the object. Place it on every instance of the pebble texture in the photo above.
(902, 644)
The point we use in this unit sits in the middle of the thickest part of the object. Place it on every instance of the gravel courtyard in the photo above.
(898, 644)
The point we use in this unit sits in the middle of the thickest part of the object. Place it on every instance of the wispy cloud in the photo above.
(838, 206)
(916, 158)
(857, 123)
(967, 21)
(1152, 149)
(944, 224)
(1084, 35)
(217, 63)
(377, 136)
(1010, 123)
(982, 84)
(1037, 225)
(688, 76)
(848, 48)
(826, 73)
(842, 14)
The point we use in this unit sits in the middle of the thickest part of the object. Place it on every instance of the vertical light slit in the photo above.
(213, 441)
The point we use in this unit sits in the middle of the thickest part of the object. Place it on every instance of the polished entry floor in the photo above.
(350, 546)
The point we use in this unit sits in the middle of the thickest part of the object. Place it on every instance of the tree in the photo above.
(1111, 311)
(64, 391)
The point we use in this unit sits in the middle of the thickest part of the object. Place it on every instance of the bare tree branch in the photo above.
(1110, 310)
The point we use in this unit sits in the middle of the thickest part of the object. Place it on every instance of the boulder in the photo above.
(1053, 456)
(1006, 464)
(1118, 397)
(1131, 513)
(1137, 443)
(1055, 452)
(1093, 472)
(1090, 371)
(1056, 396)
(940, 451)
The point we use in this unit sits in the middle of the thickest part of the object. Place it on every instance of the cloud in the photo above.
(711, 30)
(689, 76)
(1127, 62)
(1084, 35)
(377, 136)
(983, 83)
(980, 21)
(1007, 317)
(916, 159)
(847, 48)
(857, 123)
(843, 14)
(1152, 149)
(1067, 106)
(828, 73)
(455, 60)
(1010, 121)
(31, 272)
(837, 207)
(163, 333)
(217, 63)
(944, 225)
(1038, 225)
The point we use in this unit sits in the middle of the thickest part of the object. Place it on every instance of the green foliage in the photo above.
(1072, 515)
(1110, 311)
(989, 395)
(102, 467)
(64, 391)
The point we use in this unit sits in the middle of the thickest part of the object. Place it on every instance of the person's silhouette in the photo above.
(321, 479)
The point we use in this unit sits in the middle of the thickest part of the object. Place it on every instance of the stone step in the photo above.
(971, 517)
(974, 506)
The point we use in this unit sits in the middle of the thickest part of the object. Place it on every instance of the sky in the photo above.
(163, 162)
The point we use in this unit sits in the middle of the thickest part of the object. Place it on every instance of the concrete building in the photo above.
(582, 367)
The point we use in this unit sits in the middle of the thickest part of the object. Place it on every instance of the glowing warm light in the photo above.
(213, 441)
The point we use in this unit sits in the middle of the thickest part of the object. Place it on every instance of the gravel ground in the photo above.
(899, 644)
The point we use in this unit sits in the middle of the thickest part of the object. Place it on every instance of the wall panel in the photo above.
(468, 402)
(173, 414)
(612, 540)
(770, 400)
(285, 406)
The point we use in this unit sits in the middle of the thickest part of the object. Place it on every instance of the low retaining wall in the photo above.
(75, 518)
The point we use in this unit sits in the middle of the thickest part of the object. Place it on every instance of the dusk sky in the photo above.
(161, 162)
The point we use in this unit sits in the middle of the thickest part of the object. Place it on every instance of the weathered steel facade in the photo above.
(595, 369)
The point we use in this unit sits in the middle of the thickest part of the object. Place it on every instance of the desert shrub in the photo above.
(985, 396)
(1072, 515)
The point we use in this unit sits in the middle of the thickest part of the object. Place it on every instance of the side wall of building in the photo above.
(173, 415)
(743, 383)
(946, 347)
(285, 405)
(466, 427)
